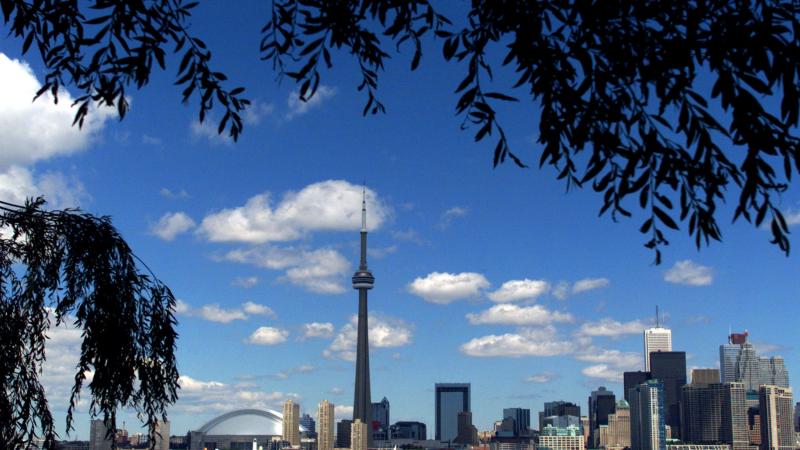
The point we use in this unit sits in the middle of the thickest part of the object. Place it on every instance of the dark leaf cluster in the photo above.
(74, 267)
(102, 47)
(623, 108)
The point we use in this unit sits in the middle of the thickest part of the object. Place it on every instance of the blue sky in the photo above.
(496, 277)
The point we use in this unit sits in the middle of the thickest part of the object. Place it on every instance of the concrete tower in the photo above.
(363, 281)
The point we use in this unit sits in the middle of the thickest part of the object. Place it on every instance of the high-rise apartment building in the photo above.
(648, 430)
(619, 427)
(99, 438)
(343, 430)
(655, 340)
(161, 435)
(522, 419)
(670, 368)
(325, 419)
(359, 435)
(291, 423)
(775, 406)
(602, 402)
(451, 399)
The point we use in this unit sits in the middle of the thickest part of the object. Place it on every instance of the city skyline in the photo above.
(475, 265)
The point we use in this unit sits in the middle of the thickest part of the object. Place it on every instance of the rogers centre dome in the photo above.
(236, 430)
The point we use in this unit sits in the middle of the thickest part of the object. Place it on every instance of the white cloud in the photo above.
(514, 290)
(179, 195)
(444, 288)
(151, 140)
(612, 328)
(408, 235)
(447, 217)
(689, 273)
(170, 225)
(332, 205)
(588, 284)
(542, 341)
(317, 330)
(343, 412)
(256, 309)
(19, 183)
(384, 332)
(792, 217)
(208, 131)
(245, 282)
(298, 370)
(215, 397)
(561, 291)
(215, 313)
(336, 391)
(381, 252)
(544, 377)
(322, 270)
(298, 107)
(37, 130)
(609, 365)
(257, 111)
(268, 336)
(509, 314)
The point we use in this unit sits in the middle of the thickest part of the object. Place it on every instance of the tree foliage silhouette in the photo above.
(75, 267)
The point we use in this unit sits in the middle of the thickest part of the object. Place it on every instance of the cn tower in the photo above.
(363, 281)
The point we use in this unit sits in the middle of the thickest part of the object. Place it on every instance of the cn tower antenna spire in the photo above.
(364, 210)
(363, 280)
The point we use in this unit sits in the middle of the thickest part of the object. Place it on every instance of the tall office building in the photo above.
(161, 435)
(734, 417)
(522, 419)
(738, 361)
(307, 422)
(705, 376)
(772, 371)
(451, 399)
(467, 433)
(632, 379)
(648, 430)
(291, 423)
(363, 281)
(325, 419)
(602, 402)
(560, 414)
(99, 437)
(656, 339)
(359, 435)
(715, 413)
(775, 406)
(344, 429)
(619, 427)
(409, 430)
(797, 417)
(670, 369)
(380, 419)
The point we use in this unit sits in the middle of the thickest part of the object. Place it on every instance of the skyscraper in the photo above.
(705, 376)
(772, 371)
(363, 281)
(670, 368)
(359, 435)
(380, 419)
(451, 399)
(775, 405)
(656, 339)
(467, 433)
(161, 435)
(632, 379)
(738, 361)
(291, 423)
(602, 402)
(567, 413)
(715, 413)
(409, 430)
(648, 431)
(797, 417)
(619, 427)
(522, 419)
(344, 429)
(325, 418)
(309, 424)
(99, 439)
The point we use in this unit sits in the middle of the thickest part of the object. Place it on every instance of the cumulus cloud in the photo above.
(297, 107)
(37, 130)
(542, 341)
(332, 205)
(321, 270)
(689, 273)
(444, 288)
(510, 314)
(611, 328)
(170, 225)
(215, 397)
(514, 290)
(447, 217)
(317, 330)
(257, 111)
(18, 184)
(207, 130)
(588, 284)
(336, 391)
(268, 336)
(215, 313)
(245, 282)
(62, 351)
(609, 365)
(561, 290)
(173, 195)
(343, 412)
(297, 370)
(384, 332)
(543, 377)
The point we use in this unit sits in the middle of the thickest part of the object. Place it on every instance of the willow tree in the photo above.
(76, 268)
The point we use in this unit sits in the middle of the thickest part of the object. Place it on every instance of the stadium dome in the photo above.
(240, 426)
